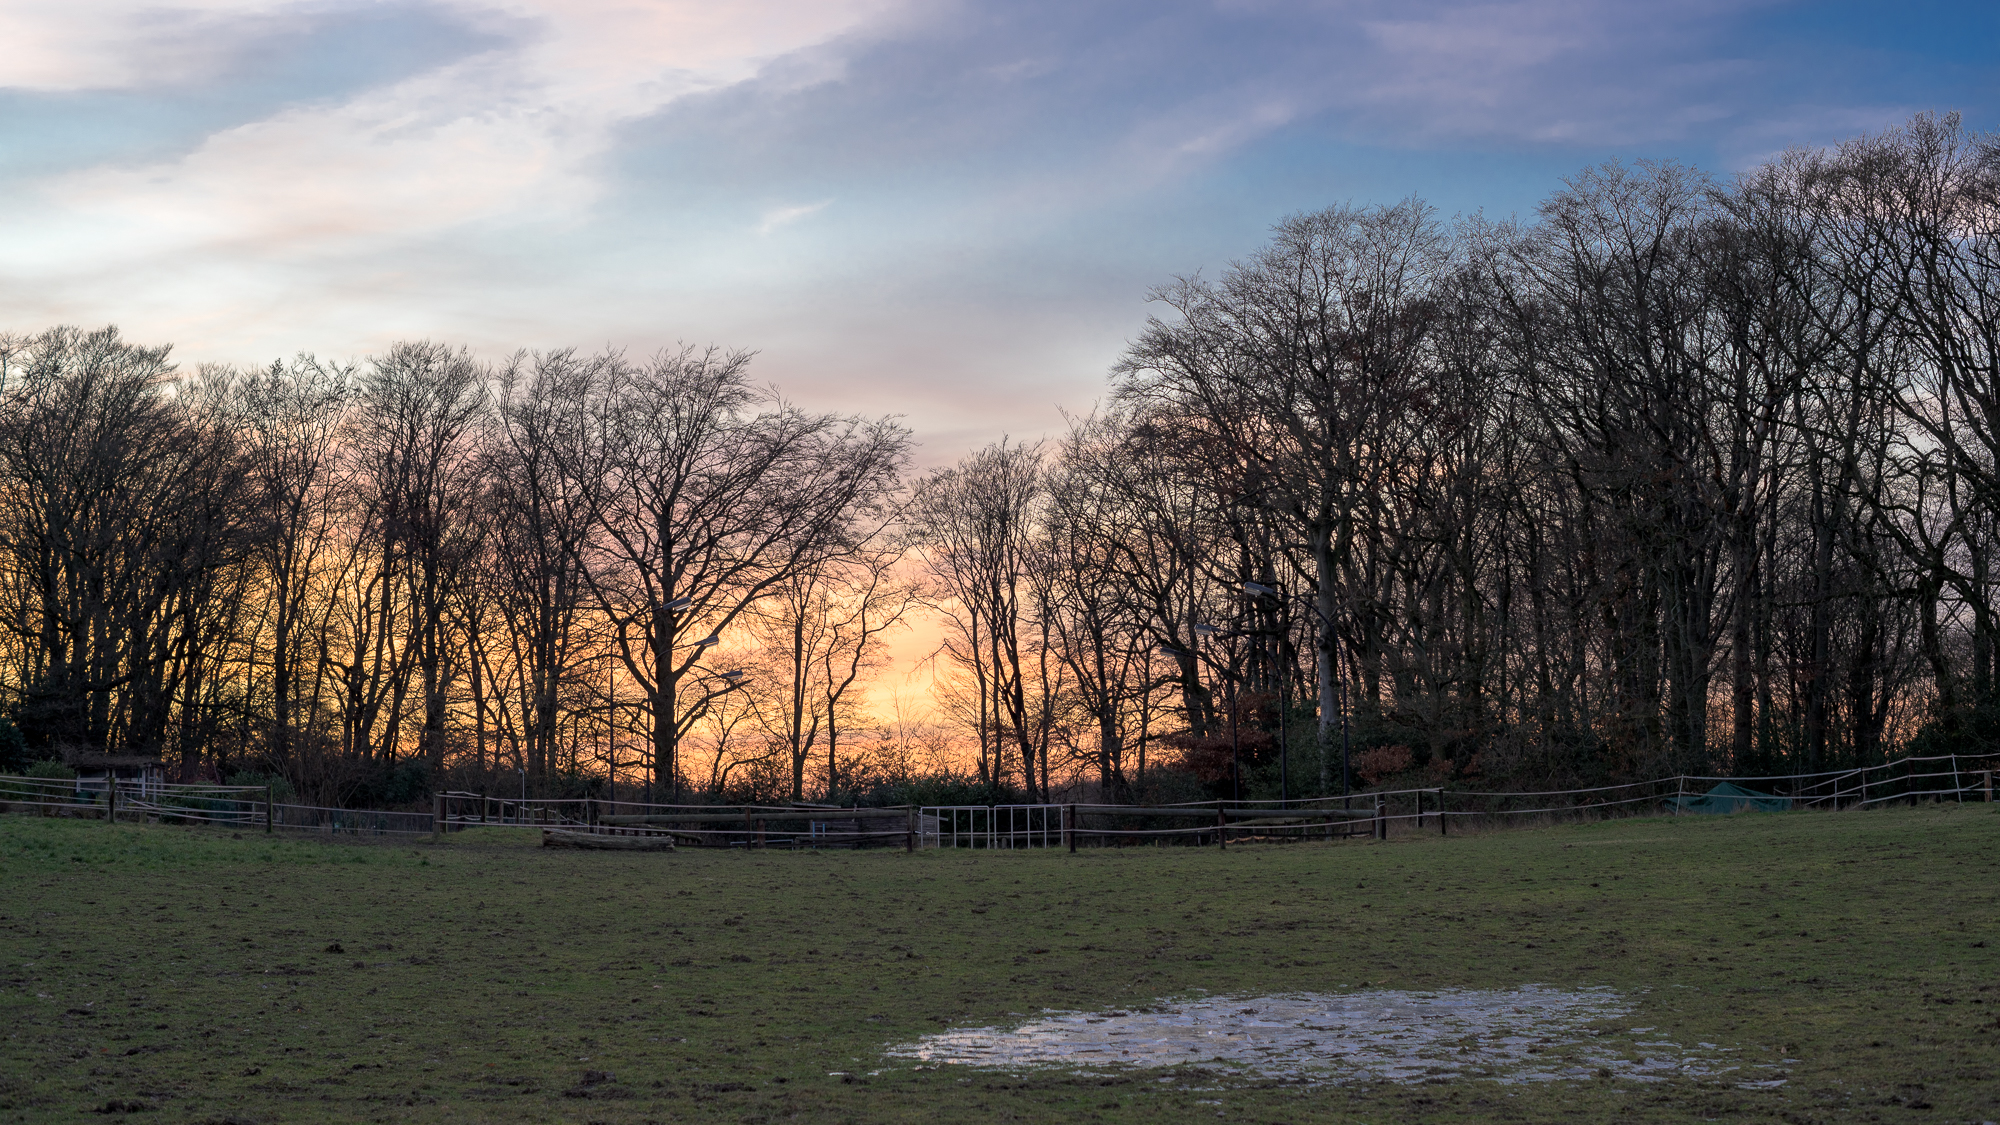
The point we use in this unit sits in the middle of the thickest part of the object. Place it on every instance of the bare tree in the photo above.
(543, 473)
(1304, 361)
(120, 503)
(715, 496)
(821, 636)
(419, 417)
(293, 415)
(974, 526)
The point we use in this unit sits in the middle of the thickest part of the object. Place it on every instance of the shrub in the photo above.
(574, 784)
(51, 770)
(1967, 730)
(13, 748)
(1166, 785)
(1213, 759)
(1379, 762)
(281, 789)
(940, 789)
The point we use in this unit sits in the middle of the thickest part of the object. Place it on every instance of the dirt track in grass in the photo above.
(190, 975)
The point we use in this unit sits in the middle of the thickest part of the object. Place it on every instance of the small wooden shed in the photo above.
(133, 773)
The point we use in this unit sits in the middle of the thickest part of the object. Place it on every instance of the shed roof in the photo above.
(91, 760)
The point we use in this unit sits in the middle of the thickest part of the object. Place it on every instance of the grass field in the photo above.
(191, 975)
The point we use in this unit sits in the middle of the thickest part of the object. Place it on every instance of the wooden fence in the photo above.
(230, 806)
(1374, 814)
(136, 802)
(759, 826)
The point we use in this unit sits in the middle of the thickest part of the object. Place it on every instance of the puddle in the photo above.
(1530, 1034)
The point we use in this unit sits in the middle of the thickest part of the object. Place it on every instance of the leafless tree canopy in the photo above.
(1682, 475)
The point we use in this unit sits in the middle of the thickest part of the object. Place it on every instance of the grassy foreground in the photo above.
(191, 975)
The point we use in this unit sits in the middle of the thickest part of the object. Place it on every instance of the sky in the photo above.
(947, 210)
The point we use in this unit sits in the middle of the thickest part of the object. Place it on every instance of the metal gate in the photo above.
(992, 826)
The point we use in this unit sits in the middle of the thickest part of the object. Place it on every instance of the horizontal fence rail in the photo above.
(229, 806)
(135, 800)
(350, 822)
(764, 826)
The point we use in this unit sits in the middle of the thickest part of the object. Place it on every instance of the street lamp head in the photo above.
(711, 639)
(1206, 630)
(735, 676)
(1169, 650)
(1259, 590)
(678, 603)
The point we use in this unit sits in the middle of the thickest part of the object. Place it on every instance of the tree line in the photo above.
(1681, 475)
(336, 571)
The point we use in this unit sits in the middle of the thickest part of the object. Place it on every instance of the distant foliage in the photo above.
(1383, 761)
(13, 748)
(281, 787)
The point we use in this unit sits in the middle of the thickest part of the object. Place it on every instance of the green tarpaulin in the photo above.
(1729, 797)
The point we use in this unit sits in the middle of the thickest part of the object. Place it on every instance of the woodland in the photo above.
(1681, 474)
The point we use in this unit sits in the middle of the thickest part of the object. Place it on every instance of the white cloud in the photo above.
(1549, 71)
(1439, 74)
(785, 216)
(1006, 170)
(515, 131)
(59, 45)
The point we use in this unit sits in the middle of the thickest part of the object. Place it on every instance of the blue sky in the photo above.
(950, 211)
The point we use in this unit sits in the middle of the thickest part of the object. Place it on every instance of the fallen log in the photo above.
(557, 838)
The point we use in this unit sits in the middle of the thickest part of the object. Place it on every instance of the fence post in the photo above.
(910, 834)
(1989, 786)
(1221, 828)
(1069, 828)
(1381, 818)
(268, 808)
(437, 816)
(1441, 819)
(110, 796)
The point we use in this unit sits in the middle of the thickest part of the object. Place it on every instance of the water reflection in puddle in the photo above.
(1530, 1034)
